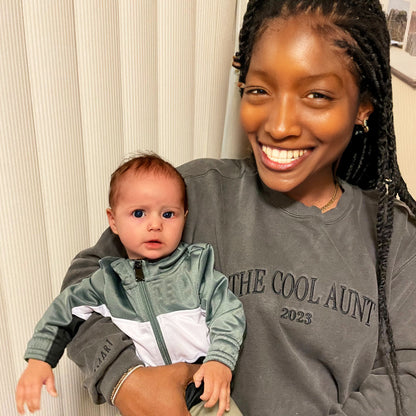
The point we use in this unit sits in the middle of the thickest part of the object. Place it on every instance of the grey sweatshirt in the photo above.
(308, 284)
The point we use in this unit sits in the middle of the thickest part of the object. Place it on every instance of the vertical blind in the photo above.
(82, 84)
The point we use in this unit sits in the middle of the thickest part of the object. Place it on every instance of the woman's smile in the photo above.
(276, 158)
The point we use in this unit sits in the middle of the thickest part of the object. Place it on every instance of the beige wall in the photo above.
(404, 101)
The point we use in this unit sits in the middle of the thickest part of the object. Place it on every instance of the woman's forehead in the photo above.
(306, 38)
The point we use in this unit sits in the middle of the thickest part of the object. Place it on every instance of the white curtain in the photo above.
(83, 83)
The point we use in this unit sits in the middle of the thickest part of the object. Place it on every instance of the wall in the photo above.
(404, 101)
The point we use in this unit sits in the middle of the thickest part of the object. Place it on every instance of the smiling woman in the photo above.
(299, 106)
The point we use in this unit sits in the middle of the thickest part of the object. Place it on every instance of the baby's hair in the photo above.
(359, 29)
(144, 163)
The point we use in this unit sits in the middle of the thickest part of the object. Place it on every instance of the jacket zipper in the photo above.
(138, 271)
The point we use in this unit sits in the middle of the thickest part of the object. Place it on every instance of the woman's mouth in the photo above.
(282, 159)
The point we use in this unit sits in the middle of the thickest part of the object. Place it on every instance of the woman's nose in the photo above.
(282, 120)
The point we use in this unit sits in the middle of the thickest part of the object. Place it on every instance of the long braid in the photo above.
(370, 160)
(388, 183)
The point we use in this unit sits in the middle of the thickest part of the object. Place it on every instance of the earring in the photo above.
(361, 128)
(236, 61)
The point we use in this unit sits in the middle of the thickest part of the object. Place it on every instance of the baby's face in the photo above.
(149, 215)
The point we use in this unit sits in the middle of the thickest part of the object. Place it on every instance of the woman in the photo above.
(308, 230)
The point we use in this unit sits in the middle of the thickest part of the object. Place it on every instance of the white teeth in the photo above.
(282, 155)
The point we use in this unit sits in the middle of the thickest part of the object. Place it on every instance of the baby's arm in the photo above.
(28, 390)
(217, 379)
(226, 322)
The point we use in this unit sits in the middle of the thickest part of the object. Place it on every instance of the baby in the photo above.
(165, 296)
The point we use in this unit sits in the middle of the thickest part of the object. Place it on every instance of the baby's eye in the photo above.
(168, 214)
(138, 213)
(254, 91)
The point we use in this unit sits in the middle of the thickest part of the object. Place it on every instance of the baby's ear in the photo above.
(111, 220)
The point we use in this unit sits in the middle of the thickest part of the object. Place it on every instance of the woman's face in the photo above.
(299, 107)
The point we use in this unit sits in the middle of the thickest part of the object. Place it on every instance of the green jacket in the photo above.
(176, 309)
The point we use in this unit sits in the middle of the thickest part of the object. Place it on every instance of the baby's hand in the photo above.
(217, 378)
(30, 384)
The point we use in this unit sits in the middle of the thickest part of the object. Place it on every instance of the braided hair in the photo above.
(358, 27)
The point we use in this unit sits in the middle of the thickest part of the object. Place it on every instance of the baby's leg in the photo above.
(200, 410)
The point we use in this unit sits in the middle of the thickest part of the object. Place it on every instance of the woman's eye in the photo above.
(168, 214)
(138, 213)
(318, 96)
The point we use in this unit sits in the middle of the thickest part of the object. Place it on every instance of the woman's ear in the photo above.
(111, 220)
(364, 110)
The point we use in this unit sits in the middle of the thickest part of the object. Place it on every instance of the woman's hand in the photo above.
(155, 391)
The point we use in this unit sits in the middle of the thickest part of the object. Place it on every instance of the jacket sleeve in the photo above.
(224, 313)
(375, 395)
(100, 349)
(60, 323)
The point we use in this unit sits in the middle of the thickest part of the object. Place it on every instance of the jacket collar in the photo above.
(125, 267)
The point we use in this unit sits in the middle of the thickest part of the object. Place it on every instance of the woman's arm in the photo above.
(85, 263)
(155, 391)
(375, 394)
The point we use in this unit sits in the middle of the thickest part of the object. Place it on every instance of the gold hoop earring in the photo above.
(366, 129)
(236, 61)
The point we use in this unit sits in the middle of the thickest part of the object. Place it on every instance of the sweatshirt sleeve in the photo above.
(375, 396)
(85, 263)
(100, 349)
(224, 313)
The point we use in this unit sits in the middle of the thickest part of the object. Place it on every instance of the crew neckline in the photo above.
(298, 209)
